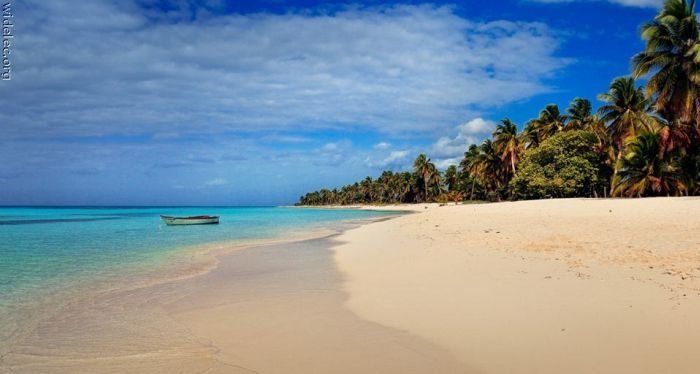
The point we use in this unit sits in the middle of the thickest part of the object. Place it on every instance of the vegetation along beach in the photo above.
(377, 187)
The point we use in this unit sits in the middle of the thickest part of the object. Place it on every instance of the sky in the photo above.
(193, 102)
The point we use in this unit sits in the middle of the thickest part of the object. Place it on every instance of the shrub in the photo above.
(564, 165)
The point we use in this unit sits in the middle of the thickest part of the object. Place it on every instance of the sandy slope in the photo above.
(557, 286)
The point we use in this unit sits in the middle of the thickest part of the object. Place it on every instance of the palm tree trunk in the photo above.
(615, 169)
(425, 189)
(471, 197)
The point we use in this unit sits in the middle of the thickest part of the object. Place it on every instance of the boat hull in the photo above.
(198, 220)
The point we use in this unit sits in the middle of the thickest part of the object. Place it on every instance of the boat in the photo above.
(191, 220)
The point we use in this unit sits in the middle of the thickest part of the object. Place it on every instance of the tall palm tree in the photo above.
(626, 112)
(426, 172)
(579, 115)
(672, 57)
(644, 172)
(549, 122)
(468, 166)
(488, 167)
(507, 142)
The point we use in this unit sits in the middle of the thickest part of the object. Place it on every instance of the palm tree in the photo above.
(488, 166)
(626, 112)
(507, 142)
(426, 172)
(644, 172)
(468, 166)
(451, 178)
(530, 137)
(672, 57)
(549, 122)
(579, 115)
(674, 136)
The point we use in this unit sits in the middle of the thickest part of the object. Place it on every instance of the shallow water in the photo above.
(50, 256)
(269, 309)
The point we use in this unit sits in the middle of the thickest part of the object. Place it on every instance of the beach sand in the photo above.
(266, 309)
(556, 286)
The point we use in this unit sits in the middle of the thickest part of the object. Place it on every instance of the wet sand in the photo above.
(269, 309)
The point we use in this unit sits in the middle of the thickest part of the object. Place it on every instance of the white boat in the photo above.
(192, 220)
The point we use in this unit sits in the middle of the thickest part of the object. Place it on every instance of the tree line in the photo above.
(642, 141)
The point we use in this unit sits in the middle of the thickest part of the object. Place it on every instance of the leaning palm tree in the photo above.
(549, 122)
(626, 112)
(672, 58)
(507, 142)
(579, 115)
(644, 172)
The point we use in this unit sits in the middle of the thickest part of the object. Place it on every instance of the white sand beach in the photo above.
(554, 286)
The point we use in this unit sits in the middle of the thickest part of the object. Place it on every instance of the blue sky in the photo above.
(150, 102)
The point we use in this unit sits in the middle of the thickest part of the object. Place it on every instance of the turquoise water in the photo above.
(45, 249)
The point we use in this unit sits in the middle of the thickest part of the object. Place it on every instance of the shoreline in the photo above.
(179, 264)
(141, 327)
(529, 287)
(548, 286)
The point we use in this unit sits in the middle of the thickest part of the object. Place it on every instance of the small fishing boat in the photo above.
(192, 220)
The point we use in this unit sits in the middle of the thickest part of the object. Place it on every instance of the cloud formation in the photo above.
(449, 150)
(95, 68)
(113, 94)
(468, 133)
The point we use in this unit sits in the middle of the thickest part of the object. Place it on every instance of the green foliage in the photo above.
(564, 165)
(644, 171)
(638, 143)
(671, 59)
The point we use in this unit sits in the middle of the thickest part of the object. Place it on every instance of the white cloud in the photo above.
(335, 153)
(477, 126)
(382, 146)
(443, 164)
(103, 97)
(395, 159)
(632, 3)
(216, 182)
(468, 133)
(96, 68)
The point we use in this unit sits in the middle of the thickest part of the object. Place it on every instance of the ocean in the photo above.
(49, 253)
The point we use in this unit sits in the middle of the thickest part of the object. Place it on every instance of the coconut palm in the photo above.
(672, 57)
(451, 178)
(507, 142)
(674, 136)
(626, 112)
(469, 166)
(427, 174)
(549, 122)
(488, 166)
(529, 137)
(644, 172)
(579, 115)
